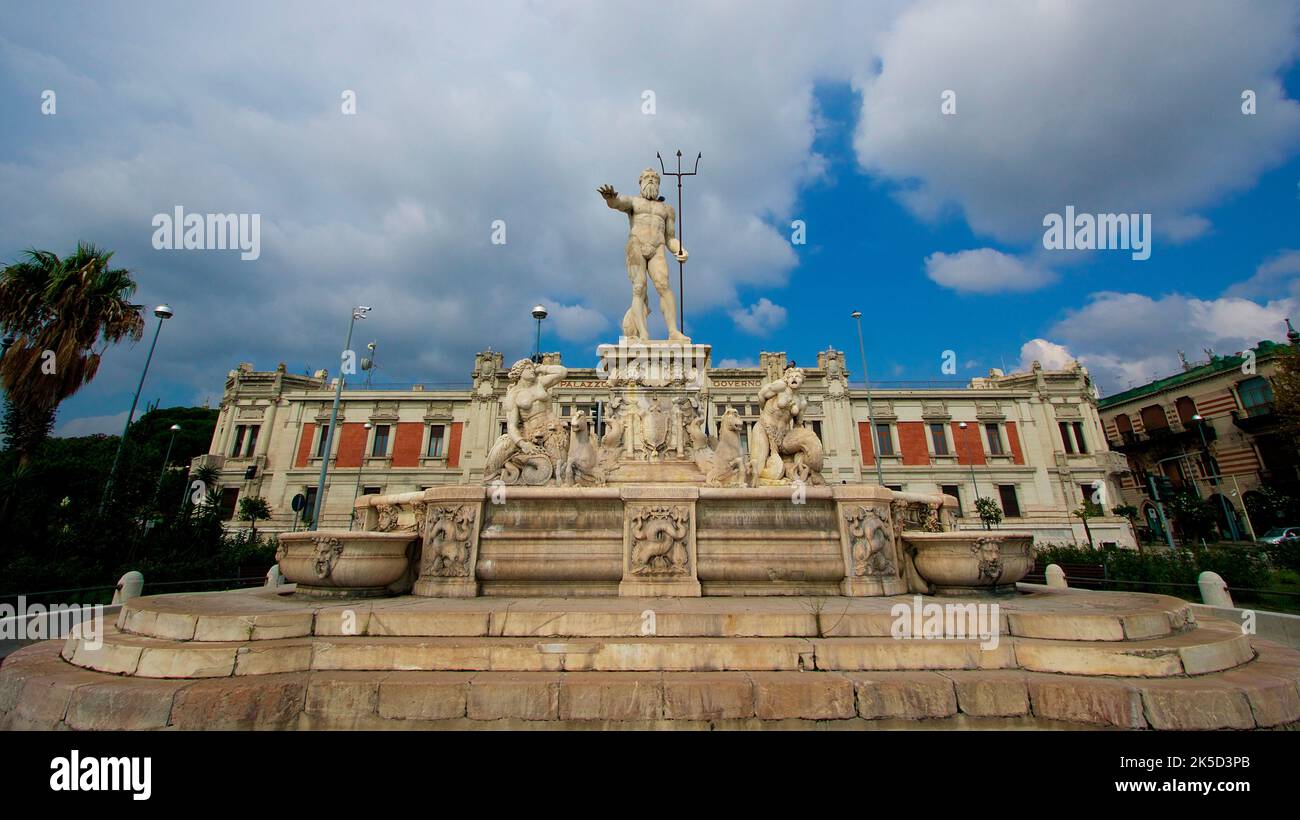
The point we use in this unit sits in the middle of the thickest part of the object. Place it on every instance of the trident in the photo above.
(681, 233)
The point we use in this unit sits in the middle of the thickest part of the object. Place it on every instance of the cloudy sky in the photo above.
(828, 114)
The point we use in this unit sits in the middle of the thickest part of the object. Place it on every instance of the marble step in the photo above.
(264, 615)
(1211, 646)
(38, 690)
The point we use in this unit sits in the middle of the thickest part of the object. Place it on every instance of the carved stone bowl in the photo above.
(971, 561)
(348, 564)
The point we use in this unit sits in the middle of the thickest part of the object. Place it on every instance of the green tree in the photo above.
(989, 512)
(254, 508)
(1086, 510)
(1286, 393)
(64, 313)
(1131, 513)
(1194, 515)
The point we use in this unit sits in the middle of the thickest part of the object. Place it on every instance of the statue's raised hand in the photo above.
(607, 191)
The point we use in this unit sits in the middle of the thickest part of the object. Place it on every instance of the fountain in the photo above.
(653, 572)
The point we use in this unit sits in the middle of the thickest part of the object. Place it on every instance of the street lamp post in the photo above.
(1215, 479)
(175, 428)
(357, 489)
(358, 312)
(163, 312)
(871, 415)
(539, 313)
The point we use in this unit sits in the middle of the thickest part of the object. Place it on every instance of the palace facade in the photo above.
(1032, 441)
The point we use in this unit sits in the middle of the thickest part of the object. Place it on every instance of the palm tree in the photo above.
(64, 313)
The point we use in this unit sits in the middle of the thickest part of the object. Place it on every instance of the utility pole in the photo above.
(871, 415)
(358, 312)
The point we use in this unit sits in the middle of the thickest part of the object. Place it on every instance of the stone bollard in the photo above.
(274, 578)
(128, 586)
(1214, 590)
(1056, 577)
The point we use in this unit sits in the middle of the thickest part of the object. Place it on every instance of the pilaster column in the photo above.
(448, 519)
(659, 547)
(867, 541)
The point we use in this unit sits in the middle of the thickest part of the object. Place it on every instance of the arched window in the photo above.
(1123, 424)
(1256, 396)
(1186, 409)
(1154, 419)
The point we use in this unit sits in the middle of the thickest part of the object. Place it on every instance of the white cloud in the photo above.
(1278, 274)
(576, 323)
(762, 317)
(1074, 104)
(91, 425)
(1127, 339)
(1050, 355)
(731, 362)
(461, 120)
(985, 271)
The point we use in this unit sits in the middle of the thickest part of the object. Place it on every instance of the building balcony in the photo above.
(1189, 436)
(1258, 419)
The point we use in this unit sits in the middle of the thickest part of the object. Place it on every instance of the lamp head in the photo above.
(175, 428)
(163, 312)
(360, 311)
(857, 314)
(539, 312)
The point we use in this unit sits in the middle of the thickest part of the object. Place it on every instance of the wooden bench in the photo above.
(1082, 576)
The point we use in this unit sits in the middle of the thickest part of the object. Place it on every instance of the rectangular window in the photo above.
(954, 491)
(309, 507)
(229, 501)
(898, 488)
(324, 437)
(1079, 443)
(380, 448)
(436, 437)
(239, 441)
(817, 429)
(1087, 491)
(744, 441)
(371, 490)
(1010, 505)
(252, 440)
(939, 439)
(504, 429)
(884, 440)
(1065, 437)
(993, 432)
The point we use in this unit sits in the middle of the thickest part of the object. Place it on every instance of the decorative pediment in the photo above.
(1067, 411)
(989, 410)
(883, 410)
(438, 412)
(935, 410)
(383, 413)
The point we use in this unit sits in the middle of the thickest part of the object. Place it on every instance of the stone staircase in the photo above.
(262, 659)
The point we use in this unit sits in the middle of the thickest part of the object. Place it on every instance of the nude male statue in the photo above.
(651, 226)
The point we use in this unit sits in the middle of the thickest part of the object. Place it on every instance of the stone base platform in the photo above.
(262, 659)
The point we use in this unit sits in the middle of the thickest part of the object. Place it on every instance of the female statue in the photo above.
(781, 432)
(533, 446)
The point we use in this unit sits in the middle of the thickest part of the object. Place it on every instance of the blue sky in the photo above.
(827, 113)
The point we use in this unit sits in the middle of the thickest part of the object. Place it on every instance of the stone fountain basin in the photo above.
(346, 563)
(971, 561)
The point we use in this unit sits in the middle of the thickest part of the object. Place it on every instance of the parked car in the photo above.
(1279, 534)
